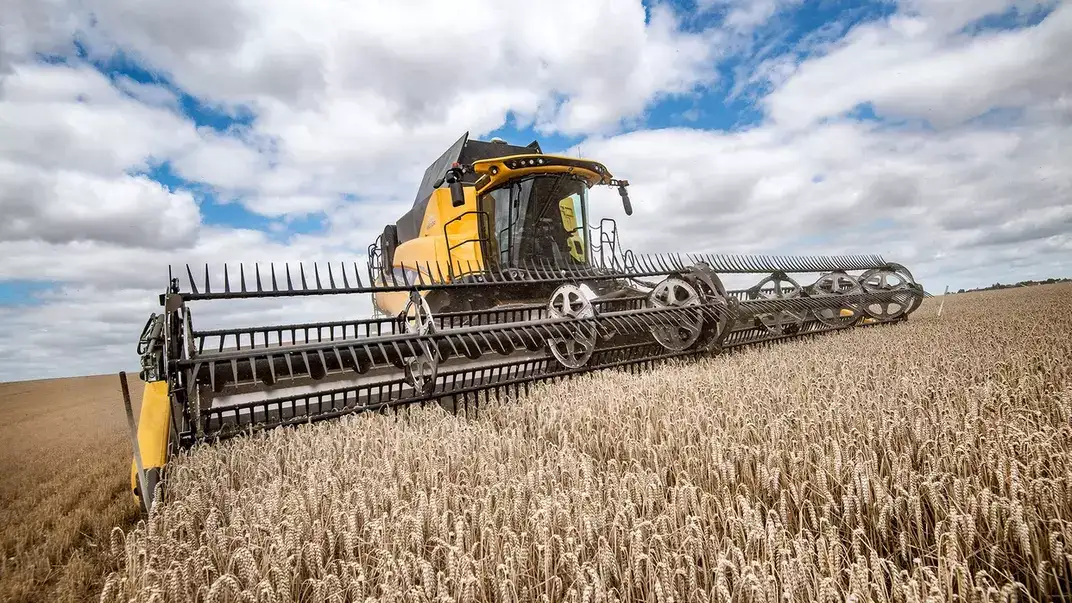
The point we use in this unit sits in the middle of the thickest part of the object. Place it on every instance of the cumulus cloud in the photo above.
(349, 96)
(60, 117)
(35, 26)
(65, 207)
(69, 142)
(913, 66)
(746, 15)
(766, 188)
(966, 182)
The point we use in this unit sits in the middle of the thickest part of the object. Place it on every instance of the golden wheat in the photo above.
(930, 460)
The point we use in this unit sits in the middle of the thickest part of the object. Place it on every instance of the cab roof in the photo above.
(468, 151)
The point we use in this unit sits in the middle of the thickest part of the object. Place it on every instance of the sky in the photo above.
(141, 134)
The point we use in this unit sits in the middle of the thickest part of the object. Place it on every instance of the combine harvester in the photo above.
(495, 279)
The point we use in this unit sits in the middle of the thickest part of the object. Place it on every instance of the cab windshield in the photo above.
(538, 220)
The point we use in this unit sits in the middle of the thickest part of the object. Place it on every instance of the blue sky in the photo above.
(707, 108)
(141, 137)
(717, 107)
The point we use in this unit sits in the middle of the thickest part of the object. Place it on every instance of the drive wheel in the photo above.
(575, 349)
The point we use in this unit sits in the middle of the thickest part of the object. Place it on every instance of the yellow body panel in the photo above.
(443, 226)
(153, 429)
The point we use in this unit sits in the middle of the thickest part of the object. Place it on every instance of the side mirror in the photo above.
(457, 195)
(453, 178)
(625, 200)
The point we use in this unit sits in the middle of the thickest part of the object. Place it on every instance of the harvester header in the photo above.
(495, 278)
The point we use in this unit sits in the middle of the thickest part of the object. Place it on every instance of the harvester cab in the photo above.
(492, 206)
(496, 278)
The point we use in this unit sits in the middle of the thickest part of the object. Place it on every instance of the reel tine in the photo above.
(740, 265)
(724, 263)
(190, 275)
(420, 274)
(664, 263)
(357, 276)
(675, 261)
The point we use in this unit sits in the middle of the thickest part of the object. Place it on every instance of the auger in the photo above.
(495, 279)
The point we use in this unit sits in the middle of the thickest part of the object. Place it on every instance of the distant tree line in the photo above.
(1048, 281)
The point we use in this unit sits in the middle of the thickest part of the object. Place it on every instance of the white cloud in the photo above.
(35, 26)
(858, 188)
(350, 96)
(58, 117)
(292, 206)
(949, 17)
(746, 15)
(355, 99)
(63, 207)
(513, 56)
(223, 162)
(152, 95)
(68, 143)
(912, 66)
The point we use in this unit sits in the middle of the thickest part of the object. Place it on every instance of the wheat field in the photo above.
(930, 460)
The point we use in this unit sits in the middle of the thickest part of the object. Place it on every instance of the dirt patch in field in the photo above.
(64, 461)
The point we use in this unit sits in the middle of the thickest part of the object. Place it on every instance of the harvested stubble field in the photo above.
(928, 460)
(64, 449)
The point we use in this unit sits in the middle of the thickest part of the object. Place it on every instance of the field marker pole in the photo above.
(146, 498)
(942, 303)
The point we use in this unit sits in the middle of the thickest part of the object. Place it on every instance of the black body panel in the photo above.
(463, 151)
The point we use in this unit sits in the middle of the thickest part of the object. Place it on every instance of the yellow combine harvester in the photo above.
(494, 279)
